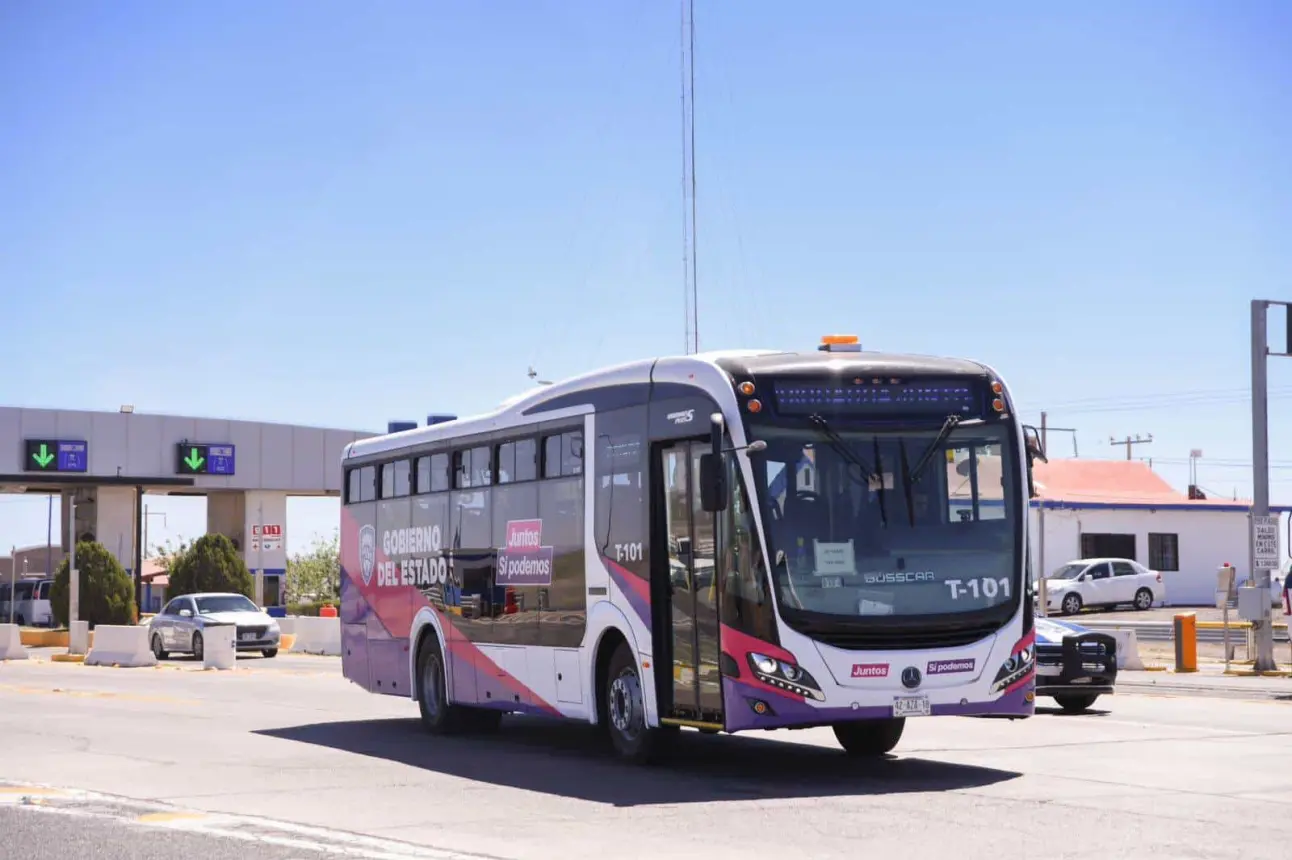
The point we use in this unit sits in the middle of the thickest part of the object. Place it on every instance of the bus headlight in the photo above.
(1020, 664)
(784, 675)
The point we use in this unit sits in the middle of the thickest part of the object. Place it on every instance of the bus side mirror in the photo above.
(713, 478)
(713, 483)
(1032, 438)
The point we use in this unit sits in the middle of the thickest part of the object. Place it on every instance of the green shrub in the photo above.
(310, 609)
(107, 593)
(209, 564)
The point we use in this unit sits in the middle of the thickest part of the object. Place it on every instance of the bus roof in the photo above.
(645, 371)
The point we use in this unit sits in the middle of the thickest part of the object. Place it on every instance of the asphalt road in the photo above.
(286, 754)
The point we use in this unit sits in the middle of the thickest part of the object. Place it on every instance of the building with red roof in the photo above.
(1122, 508)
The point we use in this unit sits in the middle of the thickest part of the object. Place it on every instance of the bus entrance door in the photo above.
(689, 621)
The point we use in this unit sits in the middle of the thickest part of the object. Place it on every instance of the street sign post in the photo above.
(55, 455)
(204, 459)
(1265, 542)
(1262, 560)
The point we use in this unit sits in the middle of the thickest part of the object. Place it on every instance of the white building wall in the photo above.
(1206, 540)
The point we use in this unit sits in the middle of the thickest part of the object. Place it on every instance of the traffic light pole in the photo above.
(1263, 628)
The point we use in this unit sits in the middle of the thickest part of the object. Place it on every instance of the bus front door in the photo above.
(690, 614)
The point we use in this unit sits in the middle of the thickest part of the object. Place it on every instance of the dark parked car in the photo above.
(1074, 665)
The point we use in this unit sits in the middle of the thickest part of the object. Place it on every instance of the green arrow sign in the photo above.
(43, 457)
(194, 460)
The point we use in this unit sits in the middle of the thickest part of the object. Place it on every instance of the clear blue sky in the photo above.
(338, 213)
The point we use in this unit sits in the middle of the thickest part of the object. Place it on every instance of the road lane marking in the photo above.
(95, 694)
(246, 828)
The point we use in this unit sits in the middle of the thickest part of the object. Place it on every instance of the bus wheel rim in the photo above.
(626, 704)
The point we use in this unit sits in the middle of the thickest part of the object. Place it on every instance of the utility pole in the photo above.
(1269, 555)
(1045, 429)
(1128, 442)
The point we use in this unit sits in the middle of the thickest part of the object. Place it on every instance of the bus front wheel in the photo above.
(624, 708)
(869, 737)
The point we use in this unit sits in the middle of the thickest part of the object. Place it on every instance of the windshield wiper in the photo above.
(947, 427)
(841, 447)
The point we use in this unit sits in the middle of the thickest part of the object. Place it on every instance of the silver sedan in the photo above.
(180, 625)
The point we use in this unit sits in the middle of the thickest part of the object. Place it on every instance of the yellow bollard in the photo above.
(1186, 642)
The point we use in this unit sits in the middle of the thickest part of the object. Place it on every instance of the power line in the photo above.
(1128, 442)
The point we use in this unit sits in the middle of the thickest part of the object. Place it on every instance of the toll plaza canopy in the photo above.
(45, 450)
(101, 464)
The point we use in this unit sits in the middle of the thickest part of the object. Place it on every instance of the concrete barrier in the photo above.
(123, 646)
(218, 650)
(11, 647)
(79, 638)
(1127, 649)
(287, 625)
(317, 636)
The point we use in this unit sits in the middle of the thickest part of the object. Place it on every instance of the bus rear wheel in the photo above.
(869, 738)
(439, 716)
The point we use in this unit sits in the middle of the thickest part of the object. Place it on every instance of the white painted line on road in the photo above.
(246, 828)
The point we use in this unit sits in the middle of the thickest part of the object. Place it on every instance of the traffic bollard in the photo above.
(1186, 642)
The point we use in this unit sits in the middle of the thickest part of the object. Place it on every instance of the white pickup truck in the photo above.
(1102, 582)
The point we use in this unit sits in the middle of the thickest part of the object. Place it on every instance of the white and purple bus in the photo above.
(725, 541)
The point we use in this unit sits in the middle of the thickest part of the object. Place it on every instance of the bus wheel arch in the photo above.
(612, 638)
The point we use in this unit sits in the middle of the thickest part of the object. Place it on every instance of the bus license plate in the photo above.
(911, 706)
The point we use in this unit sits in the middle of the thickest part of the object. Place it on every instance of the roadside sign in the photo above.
(1265, 541)
(55, 455)
(268, 538)
(204, 459)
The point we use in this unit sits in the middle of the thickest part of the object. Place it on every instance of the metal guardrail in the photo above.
(1164, 631)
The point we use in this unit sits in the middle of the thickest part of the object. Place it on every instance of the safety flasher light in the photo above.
(998, 405)
(997, 388)
(840, 343)
(746, 388)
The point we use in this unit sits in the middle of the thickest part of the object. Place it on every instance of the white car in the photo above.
(180, 625)
(1102, 582)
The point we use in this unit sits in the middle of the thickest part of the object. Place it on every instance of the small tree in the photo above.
(315, 575)
(209, 564)
(107, 593)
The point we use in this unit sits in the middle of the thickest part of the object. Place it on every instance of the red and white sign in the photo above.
(267, 538)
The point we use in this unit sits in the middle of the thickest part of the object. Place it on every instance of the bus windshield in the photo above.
(867, 522)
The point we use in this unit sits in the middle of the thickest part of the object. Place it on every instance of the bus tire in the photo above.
(624, 706)
(869, 738)
(438, 716)
(1076, 703)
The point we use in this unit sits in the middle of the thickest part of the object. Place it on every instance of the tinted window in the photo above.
(563, 454)
(1122, 568)
(473, 467)
(226, 603)
(517, 461)
(353, 493)
(367, 484)
(1098, 571)
(401, 476)
(439, 472)
(423, 471)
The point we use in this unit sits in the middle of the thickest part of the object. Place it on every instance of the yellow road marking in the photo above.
(95, 694)
(163, 817)
(30, 789)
